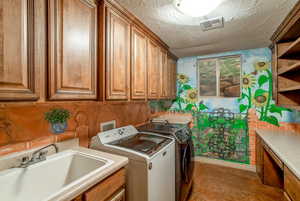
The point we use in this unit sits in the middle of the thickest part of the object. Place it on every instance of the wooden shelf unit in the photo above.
(292, 50)
(295, 68)
(286, 57)
(289, 89)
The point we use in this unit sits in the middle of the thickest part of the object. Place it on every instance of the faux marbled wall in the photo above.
(23, 125)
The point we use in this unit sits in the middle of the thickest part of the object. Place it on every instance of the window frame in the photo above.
(218, 75)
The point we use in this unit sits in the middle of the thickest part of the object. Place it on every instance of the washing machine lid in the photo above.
(143, 143)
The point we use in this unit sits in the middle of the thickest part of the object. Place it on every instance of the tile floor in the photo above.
(217, 183)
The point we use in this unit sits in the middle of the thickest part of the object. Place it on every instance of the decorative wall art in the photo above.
(220, 138)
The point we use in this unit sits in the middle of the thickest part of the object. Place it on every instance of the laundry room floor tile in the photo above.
(217, 183)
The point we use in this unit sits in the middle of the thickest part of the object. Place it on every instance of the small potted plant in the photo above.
(58, 119)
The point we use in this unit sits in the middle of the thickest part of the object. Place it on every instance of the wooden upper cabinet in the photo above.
(153, 70)
(72, 49)
(163, 62)
(117, 56)
(173, 79)
(138, 64)
(17, 51)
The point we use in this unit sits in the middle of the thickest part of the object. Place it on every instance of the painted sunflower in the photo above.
(182, 78)
(261, 66)
(248, 81)
(261, 101)
(192, 95)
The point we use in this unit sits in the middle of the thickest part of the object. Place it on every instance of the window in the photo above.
(219, 76)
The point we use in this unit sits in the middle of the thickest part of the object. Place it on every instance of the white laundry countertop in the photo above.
(286, 145)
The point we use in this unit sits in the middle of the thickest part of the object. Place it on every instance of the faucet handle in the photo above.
(43, 154)
(25, 160)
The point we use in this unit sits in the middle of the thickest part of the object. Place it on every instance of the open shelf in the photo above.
(287, 69)
(289, 100)
(289, 89)
(292, 51)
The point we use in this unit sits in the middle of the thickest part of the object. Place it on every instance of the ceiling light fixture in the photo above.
(196, 8)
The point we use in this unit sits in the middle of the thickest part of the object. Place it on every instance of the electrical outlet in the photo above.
(105, 126)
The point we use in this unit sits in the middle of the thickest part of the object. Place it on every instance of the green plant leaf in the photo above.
(272, 120)
(187, 87)
(202, 107)
(57, 115)
(189, 107)
(259, 92)
(243, 108)
(262, 80)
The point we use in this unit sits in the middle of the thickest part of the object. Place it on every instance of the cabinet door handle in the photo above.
(150, 166)
(164, 153)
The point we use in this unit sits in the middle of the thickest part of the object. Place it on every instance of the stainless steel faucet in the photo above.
(37, 156)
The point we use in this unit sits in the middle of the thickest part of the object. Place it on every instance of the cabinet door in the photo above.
(173, 79)
(119, 196)
(164, 74)
(72, 49)
(107, 188)
(17, 54)
(170, 78)
(153, 70)
(118, 56)
(139, 64)
(259, 158)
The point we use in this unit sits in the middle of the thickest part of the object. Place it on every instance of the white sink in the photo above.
(47, 179)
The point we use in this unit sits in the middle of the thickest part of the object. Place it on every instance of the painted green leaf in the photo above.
(272, 120)
(202, 107)
(278, 110)
(262, 80)
(243, 95)
(259, 92)
(187, 87)
(189, 107)
(243, 108)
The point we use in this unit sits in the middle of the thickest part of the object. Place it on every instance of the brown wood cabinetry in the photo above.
(107, 188)
(18, 71)
(291, 185)
(259, 158)
(172, 64)
(110, 189)
(72, 49)
(153, 70)
(287, 61)
(273, 172)
(138, 64)
(90, 50)
(268, 166)
(164, 75)
(118, 56)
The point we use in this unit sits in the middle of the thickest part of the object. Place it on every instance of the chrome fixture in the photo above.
(37, 156)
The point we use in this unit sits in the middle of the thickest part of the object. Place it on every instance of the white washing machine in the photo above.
(151, 169)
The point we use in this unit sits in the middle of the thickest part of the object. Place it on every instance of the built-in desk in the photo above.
(278, 161)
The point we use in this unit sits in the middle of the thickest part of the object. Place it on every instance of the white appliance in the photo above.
(151, 168)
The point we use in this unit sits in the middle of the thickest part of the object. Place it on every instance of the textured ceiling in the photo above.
(248, 24)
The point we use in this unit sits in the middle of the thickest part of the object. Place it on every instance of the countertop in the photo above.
(286, 145)
(174, 118)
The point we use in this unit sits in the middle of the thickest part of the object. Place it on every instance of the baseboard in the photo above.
(246, 167)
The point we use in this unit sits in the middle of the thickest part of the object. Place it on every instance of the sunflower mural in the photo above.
(258, 93)
(187, 96)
